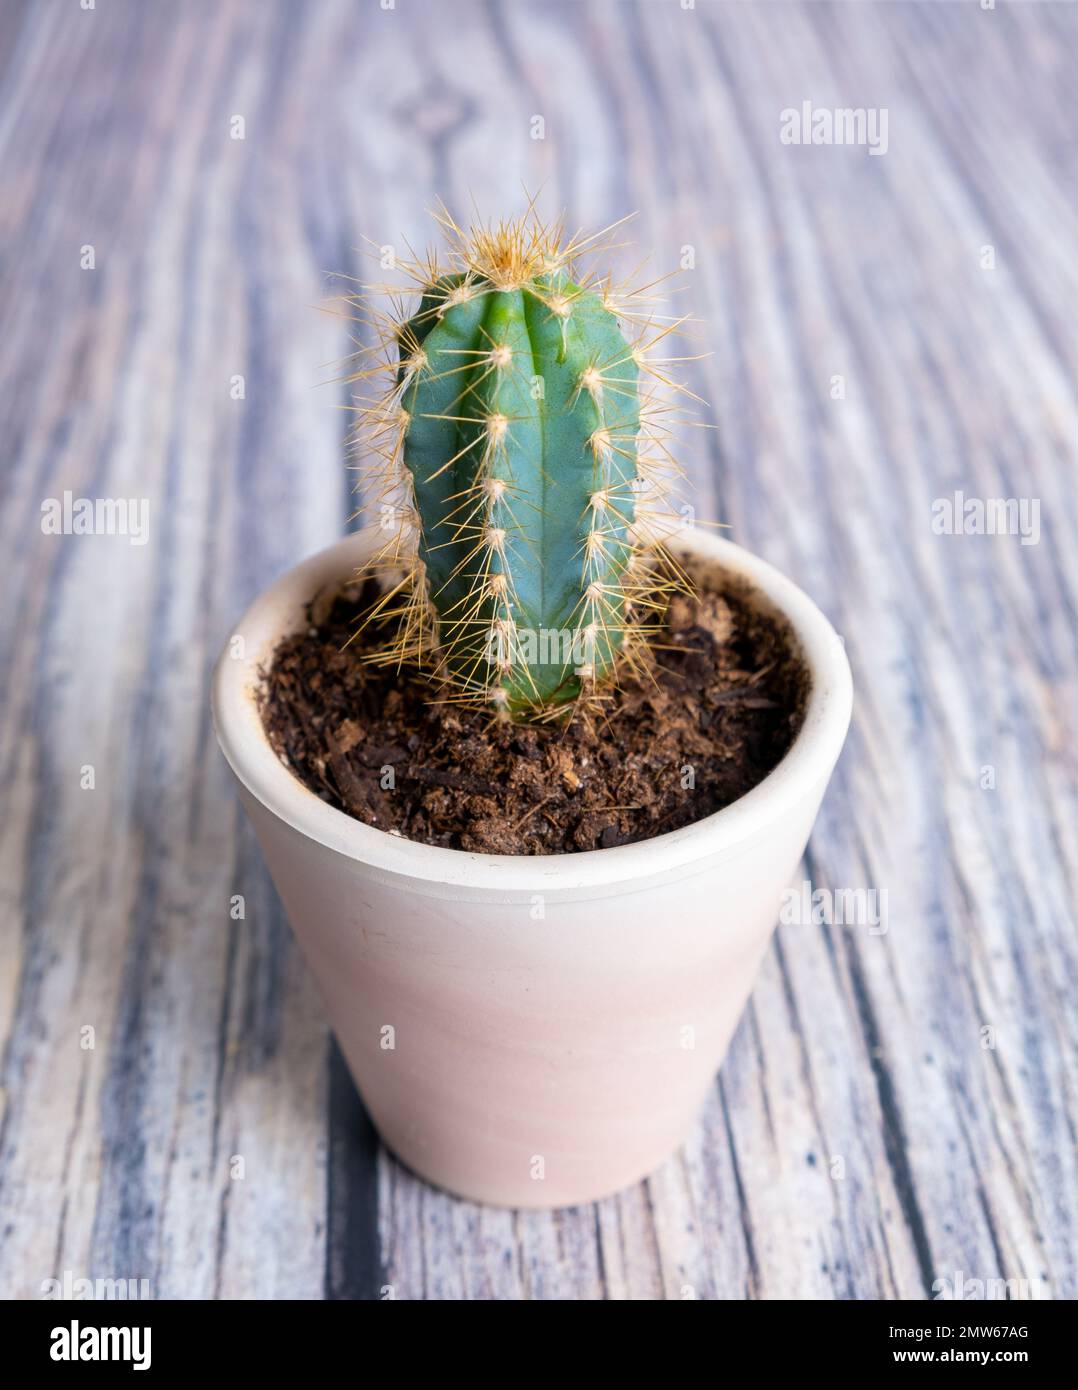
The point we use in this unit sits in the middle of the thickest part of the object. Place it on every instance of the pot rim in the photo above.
(280, 609)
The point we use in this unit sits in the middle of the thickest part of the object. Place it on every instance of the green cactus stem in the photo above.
(519, 416)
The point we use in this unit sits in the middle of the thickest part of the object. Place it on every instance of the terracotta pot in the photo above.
(532, 1032)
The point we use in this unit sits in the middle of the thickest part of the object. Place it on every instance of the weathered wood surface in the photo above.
(811, 263)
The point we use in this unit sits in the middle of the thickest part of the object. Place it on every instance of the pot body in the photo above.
(532, 1032)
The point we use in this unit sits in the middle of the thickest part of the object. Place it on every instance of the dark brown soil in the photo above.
(726, 705)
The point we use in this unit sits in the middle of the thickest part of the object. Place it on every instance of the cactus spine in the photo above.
(516, 413)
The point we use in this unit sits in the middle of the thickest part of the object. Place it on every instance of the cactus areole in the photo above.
(518, 418)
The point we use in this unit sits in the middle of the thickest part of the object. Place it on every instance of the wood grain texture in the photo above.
(811, 263)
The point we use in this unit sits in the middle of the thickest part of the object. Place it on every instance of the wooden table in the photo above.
(885, 330)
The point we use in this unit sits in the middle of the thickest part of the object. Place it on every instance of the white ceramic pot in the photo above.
(532, 1031)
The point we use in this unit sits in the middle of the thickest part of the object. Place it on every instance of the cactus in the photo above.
(515, 412)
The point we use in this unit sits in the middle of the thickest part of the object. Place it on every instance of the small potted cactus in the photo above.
(532, 1028)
